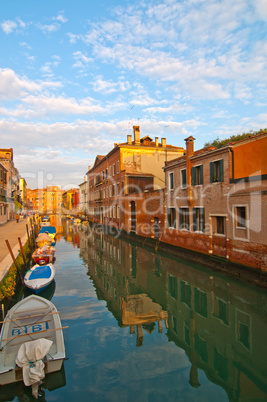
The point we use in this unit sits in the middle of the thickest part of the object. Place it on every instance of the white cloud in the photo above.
(49, 28)
(109, 87)
(13, 87)
(9, 26)
(81, 60)
(61, 18)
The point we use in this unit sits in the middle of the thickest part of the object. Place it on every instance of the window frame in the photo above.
(217, 171)
(171, 181)
(171, 218)
(183, 178)
(199, 219)
(184, 218)
(197, 175)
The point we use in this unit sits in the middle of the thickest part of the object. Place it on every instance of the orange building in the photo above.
(129, 168)
(47, 200)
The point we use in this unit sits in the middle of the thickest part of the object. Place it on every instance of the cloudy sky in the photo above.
(75, 76)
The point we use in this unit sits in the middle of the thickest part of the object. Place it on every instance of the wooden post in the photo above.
(22, 251)
(29, 240)
(11, 253)
(33, 234)
(14, 260)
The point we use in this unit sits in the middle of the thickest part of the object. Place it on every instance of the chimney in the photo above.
(84, 178)
(157, 141)
(136, 130)
(163, 142)
(189, 146)
(89, 167)
(129, 139)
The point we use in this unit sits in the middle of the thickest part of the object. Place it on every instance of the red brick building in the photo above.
(216, 201)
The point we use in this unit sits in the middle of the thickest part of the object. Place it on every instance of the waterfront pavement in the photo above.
(11, 231)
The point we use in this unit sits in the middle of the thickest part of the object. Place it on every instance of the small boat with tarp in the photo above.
(31, 342)
(44, 255)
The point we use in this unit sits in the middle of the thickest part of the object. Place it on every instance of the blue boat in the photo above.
(39, 277)
(50, 230)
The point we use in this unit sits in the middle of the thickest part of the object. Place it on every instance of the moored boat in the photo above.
(44, 255)
(30, 320)
(43, 239)
(50, 230)
(39, 277)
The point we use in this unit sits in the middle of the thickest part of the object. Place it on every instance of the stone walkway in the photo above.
(11, 231)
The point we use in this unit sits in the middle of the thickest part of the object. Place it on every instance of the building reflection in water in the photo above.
(220, 323)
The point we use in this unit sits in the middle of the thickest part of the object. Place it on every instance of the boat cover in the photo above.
(29, 357)
(44, 271)
(48, 229)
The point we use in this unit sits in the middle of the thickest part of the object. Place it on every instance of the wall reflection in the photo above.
(219, 322)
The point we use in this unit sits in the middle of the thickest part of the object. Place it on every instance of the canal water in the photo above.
(143, 326)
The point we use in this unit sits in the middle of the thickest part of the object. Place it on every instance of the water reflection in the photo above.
(220, 323)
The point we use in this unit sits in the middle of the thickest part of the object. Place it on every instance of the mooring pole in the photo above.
(22, 251)
(14, 260)
(29, 240)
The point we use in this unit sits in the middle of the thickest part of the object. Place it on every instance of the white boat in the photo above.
(39, 277)
(33, 318)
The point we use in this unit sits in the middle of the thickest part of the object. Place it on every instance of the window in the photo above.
(240, 213)
(171, 184)
(118, 166)
(184, 218)
(114, 169)
(197, 175)
(216, 171)
(198, 220)
(186, 293)
(218, 225)
(183, 173)
(171, 217)
(118, 189)
(173, 286)
(201, 306)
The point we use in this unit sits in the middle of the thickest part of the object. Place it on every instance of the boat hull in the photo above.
(39, 277)
(16, 375)
(30, 319)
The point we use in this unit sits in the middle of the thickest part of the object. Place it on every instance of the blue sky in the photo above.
(75, 77)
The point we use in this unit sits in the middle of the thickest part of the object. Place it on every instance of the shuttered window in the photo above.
(183, 172)
(197, 175)
(184, 218)
(171, 218)
(216, 171)
(198, 220)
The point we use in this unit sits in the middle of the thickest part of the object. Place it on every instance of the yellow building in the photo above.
(47, 200)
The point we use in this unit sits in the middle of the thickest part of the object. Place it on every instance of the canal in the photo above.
(144, 326)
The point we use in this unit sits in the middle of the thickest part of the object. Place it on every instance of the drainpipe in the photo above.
(233, 165)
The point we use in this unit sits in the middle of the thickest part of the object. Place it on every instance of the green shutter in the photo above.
(202, 214)
(184, 178)
(194, 177)
(169, 217)
(221, 170)
(201, 174)
(194, 219)
(211, 171)
(187, 218)
(181, 218)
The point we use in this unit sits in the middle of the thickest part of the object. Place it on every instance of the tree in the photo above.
(234, 138)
